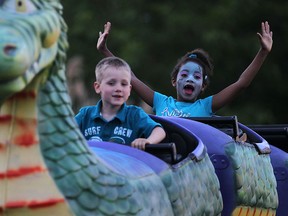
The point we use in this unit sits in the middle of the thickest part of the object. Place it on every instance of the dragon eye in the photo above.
(18, 6)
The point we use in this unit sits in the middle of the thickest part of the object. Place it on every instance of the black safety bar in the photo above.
(227, 124)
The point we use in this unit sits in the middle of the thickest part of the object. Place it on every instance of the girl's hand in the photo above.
(266, 36)
(101, 43)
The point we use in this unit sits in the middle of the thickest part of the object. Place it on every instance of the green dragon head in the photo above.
(32, 40)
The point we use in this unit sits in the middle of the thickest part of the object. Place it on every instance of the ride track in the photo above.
(47, 167)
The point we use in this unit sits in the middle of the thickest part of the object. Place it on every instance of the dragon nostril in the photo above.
(9, 50)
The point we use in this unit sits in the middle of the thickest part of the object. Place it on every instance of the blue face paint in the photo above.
(189, 82)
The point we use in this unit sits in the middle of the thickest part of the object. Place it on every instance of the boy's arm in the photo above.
(141, 89)
(156, 136)
(229, 93)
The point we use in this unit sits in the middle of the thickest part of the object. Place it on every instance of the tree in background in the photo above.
(152, 35)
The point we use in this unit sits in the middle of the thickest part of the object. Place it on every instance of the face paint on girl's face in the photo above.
(189, 82)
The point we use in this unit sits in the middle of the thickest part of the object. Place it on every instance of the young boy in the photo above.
(111, 119)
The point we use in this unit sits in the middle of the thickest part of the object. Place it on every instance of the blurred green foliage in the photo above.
(152, 34)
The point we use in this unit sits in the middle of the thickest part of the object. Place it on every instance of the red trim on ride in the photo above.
(33, 204)
(16, 204)
(240, 211)
(247, 211)
(50, 202)
(2, 147)
(254, 212)
(260, 213)
(25, 94)
(27, 139)
(22, 172)
(5, 118)
(28, 136)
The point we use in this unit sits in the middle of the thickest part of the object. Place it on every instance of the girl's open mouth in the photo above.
(188, 89)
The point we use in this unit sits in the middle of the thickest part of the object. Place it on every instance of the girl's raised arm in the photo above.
(229, 93)
(141, 89)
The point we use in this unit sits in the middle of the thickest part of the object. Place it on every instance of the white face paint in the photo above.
(189, 82)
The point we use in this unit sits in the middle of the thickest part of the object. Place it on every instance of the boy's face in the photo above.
(189, 82)
(115, 86)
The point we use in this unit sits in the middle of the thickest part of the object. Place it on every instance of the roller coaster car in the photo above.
(250, 152)
(178, 143)
(229, 144)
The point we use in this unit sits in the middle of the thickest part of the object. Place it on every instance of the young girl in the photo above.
(190, 77)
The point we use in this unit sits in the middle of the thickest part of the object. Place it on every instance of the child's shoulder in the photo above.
(134, 110)
(135, 113)
(133, 107)
(88, 109)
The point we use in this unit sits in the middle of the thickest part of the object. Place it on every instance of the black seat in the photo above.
(183, 140)
(165, 151)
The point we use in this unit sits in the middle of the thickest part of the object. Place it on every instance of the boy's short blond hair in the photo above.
(115, 62)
